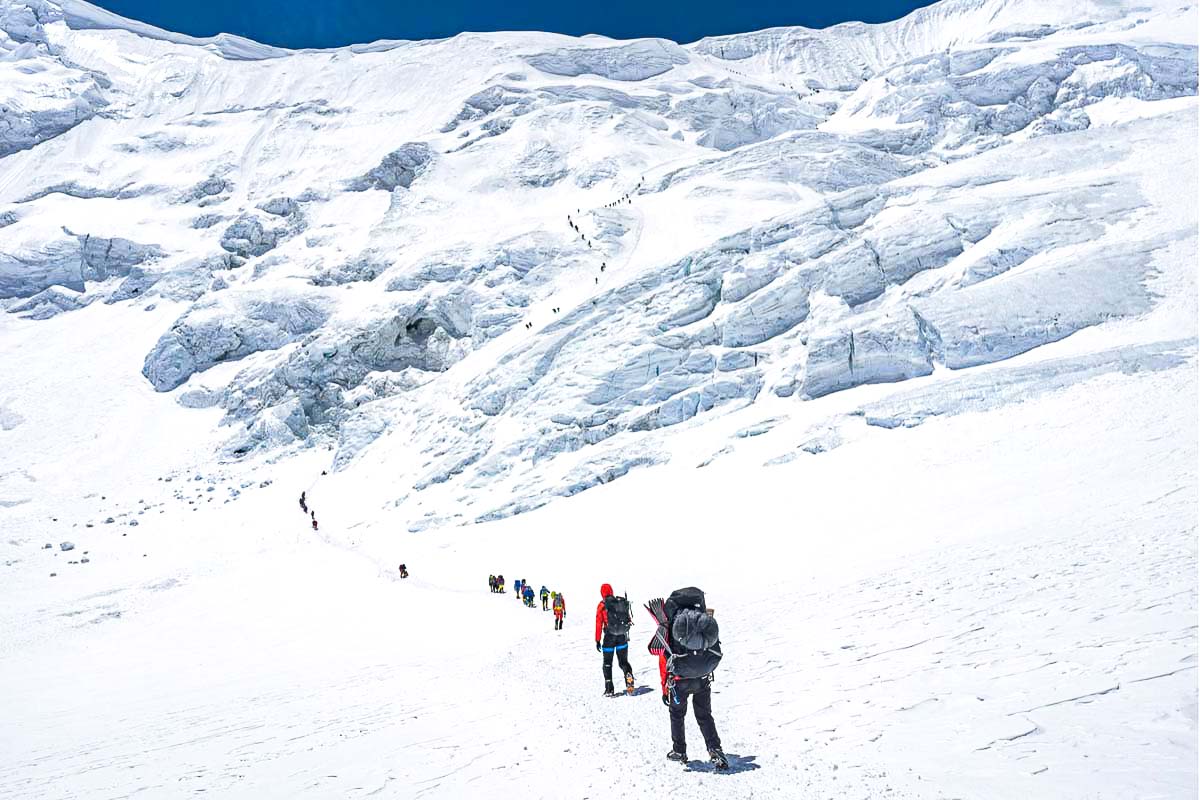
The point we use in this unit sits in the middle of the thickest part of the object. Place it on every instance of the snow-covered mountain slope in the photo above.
(363, 235)
(894, 323)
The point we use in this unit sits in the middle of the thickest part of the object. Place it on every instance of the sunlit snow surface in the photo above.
(893, 352)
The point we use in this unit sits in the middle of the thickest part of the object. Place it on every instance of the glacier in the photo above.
(465, 280)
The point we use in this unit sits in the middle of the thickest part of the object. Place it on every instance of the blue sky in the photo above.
(330, 23)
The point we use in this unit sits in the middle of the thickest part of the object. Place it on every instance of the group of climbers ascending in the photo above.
(686, 642)
(313, 515)
(304, 508)
(582, 237)
(625, 198)
(551, 601)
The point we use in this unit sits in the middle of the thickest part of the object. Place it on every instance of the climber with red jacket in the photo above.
(613, 620)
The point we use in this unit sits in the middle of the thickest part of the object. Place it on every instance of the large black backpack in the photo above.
(694, 640)
(619, 619)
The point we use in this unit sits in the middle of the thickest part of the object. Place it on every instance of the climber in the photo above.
(613, 621)
(545, 594)
(303, 502)
(689, 649)
(560, 610)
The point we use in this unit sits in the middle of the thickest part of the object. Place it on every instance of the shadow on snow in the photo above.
(736, 764)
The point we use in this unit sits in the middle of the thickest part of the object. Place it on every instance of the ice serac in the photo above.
(398, 169)
(728, 119)
(993, 321)
(49, 303)
(884, 349)
(228, 328)
(424, 334)
(842, 56)
(635, 61)
(34, 257)
(990, 93)
(27, 267)
(105, 258)
(248, 237)
(42, 94)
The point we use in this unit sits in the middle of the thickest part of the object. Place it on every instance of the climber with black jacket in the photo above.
(688, 646)
(613, 621)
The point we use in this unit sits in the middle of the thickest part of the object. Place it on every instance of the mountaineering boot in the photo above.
(608, 692)
(628, 683)
(677, 755)
(718, 759)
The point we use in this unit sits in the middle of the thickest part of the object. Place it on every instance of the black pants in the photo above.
(618, 645)
(545, 601)
(700, 691)
(558, 623)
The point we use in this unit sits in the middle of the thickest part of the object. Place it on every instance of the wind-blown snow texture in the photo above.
(478, 275)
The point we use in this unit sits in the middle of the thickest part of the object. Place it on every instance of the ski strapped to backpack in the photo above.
(658, 643)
